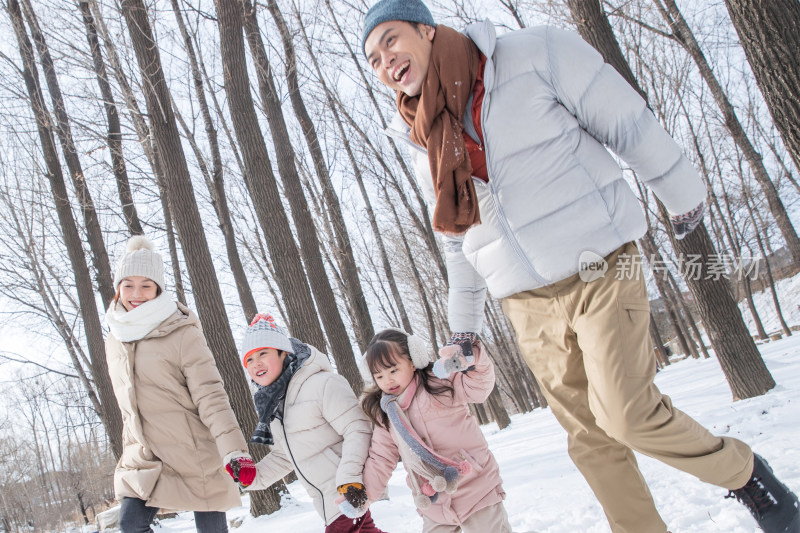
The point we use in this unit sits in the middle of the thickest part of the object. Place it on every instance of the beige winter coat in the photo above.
(324, 436)
(177, 420)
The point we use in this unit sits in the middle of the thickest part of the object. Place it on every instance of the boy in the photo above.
(312, 420)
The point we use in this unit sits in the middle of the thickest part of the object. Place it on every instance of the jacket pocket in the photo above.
(464, 455)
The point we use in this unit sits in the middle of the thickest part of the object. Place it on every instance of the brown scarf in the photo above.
(435, 119)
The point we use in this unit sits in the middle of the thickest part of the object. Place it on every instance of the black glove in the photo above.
(684, 224)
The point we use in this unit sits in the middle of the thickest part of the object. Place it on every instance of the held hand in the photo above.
(457, 356)
(353, 500)
(242, 469)
(686, 223)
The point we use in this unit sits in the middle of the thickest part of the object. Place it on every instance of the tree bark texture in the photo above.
(290, 274)
(343, 250)
(217, 188)
(770, 36)
(332, 321)
(208, 297)
(114, 139)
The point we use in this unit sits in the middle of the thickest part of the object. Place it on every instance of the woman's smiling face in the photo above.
(136, 290)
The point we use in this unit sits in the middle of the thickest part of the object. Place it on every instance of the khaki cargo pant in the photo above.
(491, 519)
(589, 347)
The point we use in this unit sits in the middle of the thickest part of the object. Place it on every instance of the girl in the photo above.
(426, 422)
(177, 421)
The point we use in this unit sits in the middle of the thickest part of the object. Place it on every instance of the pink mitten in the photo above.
(454, 358)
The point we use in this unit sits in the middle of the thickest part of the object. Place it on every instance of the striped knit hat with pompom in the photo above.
(262, 333)
(140, 260)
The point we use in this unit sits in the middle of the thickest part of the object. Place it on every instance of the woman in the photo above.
(177, 420)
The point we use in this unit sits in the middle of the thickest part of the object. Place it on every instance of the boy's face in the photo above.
(399, 53)
(136, 290)
(265, 365)
(395, 379)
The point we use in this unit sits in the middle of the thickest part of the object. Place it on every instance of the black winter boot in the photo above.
(771, 503)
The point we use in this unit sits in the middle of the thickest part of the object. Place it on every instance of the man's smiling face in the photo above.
(399, 53)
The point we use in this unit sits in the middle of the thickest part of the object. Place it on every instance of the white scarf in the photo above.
(129, 326)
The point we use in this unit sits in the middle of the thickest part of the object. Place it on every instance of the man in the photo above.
(508, 137)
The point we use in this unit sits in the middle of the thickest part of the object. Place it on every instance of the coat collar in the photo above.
(484, 35)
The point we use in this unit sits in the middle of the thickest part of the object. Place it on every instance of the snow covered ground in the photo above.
(545, 492)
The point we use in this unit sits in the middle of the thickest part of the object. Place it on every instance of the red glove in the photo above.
(242, 469)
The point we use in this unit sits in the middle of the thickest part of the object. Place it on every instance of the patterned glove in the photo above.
(353, 500)
(456, 356)
(458, 338)
(684, 224)
(242, 469)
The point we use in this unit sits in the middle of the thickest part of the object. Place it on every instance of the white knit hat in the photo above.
(140, 260)
(262, 333)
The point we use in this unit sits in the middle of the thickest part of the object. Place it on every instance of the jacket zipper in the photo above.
(297, 467)
(501, 216)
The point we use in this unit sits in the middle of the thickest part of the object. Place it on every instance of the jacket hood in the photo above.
(317, 362)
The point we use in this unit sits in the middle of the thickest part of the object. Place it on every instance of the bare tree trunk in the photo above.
(770, 36)
(499, 413)
(332, 322)
(739, 358)
(64, 133)
(761, 333)
(417, 278)
(683, 35)
(261, 184)
(661, 354)
(357, 303)
(217, 188)
(190, 227)
(114, 139)
(147, 144)
(333, 106)
(38, 269)
(650, 249)
(765, 255)
(110, 414)
(686, 317)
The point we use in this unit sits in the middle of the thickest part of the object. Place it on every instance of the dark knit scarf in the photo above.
(435, 119)
(269, 400)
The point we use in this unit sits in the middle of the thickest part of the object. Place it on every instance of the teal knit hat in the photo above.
(386, 10)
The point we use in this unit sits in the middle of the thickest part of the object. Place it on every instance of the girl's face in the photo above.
(265, 365)
(395, 379)
(136, 290)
